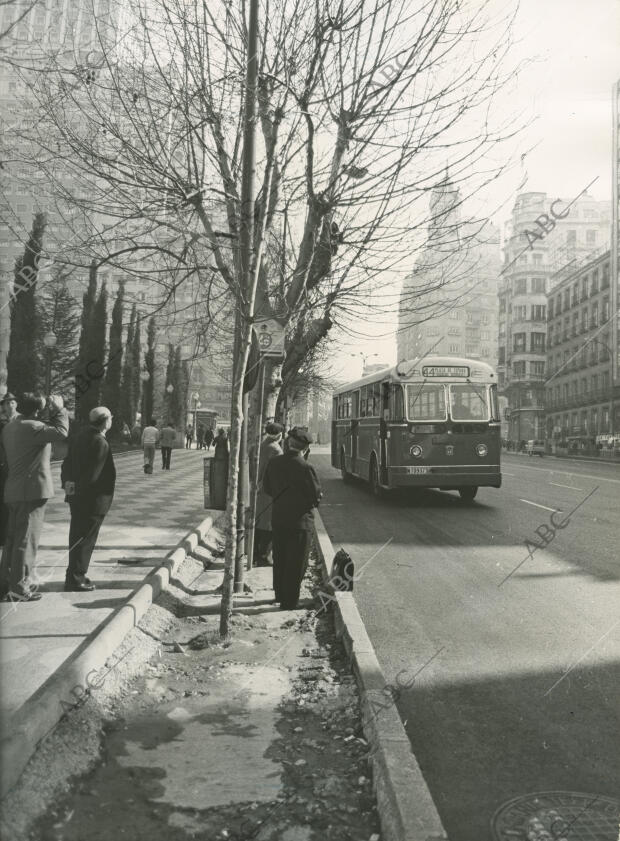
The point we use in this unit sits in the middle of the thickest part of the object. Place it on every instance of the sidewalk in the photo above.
(149, 515)
(256, 738)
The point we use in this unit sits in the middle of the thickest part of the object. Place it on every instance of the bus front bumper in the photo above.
(447, 478)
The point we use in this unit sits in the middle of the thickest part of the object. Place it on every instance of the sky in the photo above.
(575, 45)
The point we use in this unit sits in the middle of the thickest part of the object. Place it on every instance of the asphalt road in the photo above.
(515, 649)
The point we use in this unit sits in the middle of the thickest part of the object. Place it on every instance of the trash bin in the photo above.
(215, 482)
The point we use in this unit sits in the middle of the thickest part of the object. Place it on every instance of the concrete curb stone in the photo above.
(406, 808)
(40, 713)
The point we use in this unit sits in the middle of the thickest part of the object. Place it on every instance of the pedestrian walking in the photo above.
(189, 436)
(295, 490)
(200, 437)
(150, 439)
(167, 438)
(27, 445)
(209, 438)
(8, 413)
(221, 443)
(270, 448)
(89, 477)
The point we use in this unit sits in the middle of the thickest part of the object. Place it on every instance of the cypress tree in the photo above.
(169, 397)
(149, 366)
(136, 352)
(111, 390)
(127, 398)
(23, 362)
(95, 355)
(177, 395)
(59, 313)
(82, 379)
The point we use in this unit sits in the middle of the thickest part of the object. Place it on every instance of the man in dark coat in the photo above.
(89, 477)
(295, 490)
(209, 436)
(269, 448)
(27, 444)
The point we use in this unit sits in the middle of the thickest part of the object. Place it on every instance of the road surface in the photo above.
(514, 650)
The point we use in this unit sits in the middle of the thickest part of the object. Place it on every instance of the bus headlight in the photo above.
(416, 451)
(482, 450)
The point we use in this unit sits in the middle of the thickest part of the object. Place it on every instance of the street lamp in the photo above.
(49, 340)
(364, 356)
(196, 399)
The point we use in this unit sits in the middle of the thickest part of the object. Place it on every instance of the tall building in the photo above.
(540, 236)
(448, 304)
(582, 406)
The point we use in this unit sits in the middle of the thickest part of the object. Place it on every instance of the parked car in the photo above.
(535, 448)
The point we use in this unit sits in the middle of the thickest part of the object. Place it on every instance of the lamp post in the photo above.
(197, 404)
(145, 377)
(364, 356)
(49, 340)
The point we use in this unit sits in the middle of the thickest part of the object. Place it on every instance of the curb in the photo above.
(41, 712)
(406, 809)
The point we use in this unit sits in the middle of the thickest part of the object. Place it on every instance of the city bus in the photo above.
(426, 423)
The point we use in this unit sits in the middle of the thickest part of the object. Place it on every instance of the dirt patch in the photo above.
(195, 739)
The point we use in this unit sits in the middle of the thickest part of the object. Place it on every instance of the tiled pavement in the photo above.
(149, 515)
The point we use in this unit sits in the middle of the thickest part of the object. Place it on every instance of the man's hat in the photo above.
(8, 396)
(274, 429)
(301, 435)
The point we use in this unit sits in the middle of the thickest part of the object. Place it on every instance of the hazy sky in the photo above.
(576, 44)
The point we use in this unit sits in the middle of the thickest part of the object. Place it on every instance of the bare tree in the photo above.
(360, 106)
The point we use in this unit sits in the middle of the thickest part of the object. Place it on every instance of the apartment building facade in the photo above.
(542, 233)
(582, 406)
(448, 304)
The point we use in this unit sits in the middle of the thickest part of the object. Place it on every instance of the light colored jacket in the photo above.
(27, 445)
(268, 449)
(150, 436)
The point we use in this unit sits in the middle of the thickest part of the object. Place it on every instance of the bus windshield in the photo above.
(469, 402)
(426, 402)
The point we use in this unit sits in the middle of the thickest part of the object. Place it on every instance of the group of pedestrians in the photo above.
(204, 437)
(165, 438)
(29, 427)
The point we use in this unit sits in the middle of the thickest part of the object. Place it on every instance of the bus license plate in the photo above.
(417, 470)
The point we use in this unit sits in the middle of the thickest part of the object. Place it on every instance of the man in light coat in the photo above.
(27, 445)
(270, 448)
(150, 439)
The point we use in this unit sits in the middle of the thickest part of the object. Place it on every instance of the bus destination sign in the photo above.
(445, 371)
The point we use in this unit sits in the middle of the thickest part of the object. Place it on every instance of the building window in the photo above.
(590, 237)
(519, 312)
(518, 369)
(605, 278)
(538, 258)
(584, 288)
(594, 286)
(484, 318)
(502, 356)
(454, 331)
(455, 315)
(594, 316)
(550, 313)
(520, 286)
(566, 299)
(538, 285)
(605, 310)
(575, 294)
(584, 318)
(539, 312)
(518, 341)
(454, 349)
(537, 369)
(537, 342)
(485, 335)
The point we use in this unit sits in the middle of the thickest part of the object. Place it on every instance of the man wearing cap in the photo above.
(269, 448)
(89, 477)
(27, 444)
(295, 490)
(8, 413)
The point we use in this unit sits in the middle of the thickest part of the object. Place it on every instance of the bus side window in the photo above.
(397, 403)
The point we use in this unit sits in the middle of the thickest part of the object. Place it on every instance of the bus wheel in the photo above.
(376, 488)
(346, 476)
(468, 493)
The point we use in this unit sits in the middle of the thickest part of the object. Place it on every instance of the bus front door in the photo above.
(354, 437)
